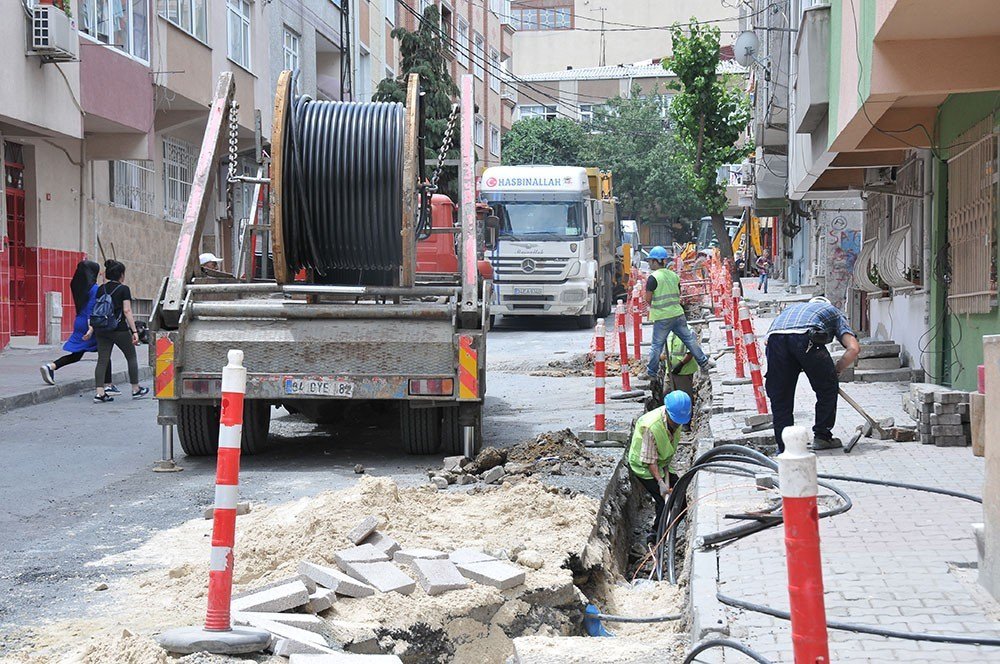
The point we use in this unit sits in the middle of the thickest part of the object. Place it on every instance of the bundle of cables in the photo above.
(342, 191)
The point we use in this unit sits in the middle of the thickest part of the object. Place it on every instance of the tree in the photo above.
(629, 138)
(557, 142)
(710, 115)
(423, 52)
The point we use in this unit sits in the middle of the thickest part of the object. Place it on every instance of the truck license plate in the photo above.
(319, 388)
(527, 291)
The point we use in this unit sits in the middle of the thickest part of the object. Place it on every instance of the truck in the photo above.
(319, 345)
(557, 238)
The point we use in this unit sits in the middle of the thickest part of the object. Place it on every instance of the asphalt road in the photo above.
(77, 482)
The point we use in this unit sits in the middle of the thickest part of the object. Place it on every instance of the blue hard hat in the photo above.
(678, 405)
(658, 253)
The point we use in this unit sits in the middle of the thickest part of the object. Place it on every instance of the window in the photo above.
(238, 19)
(424, 4)
(178, 172)
(389, 7)
(586, 113)
(553, 18)
(479, 131)
(291, 50)
(494, 141)
(495, 70)
(479, 56)
(191, 16)
(495, 6)
(547, 112)
(123, 24)
(132, 185)
(463, 42)
(447, 19)
(364, 77)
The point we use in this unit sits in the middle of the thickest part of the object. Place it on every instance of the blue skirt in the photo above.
(76, 342)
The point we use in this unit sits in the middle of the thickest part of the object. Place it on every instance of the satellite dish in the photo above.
(746, 47)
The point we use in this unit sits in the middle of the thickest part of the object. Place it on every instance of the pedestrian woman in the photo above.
(84, 289)
(120, 331)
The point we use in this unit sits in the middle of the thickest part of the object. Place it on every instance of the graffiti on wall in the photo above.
(843, 247)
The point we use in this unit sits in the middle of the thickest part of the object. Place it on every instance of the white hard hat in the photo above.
(820, 298)
(208, 257)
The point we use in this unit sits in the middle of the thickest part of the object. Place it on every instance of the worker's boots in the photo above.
(822, 444)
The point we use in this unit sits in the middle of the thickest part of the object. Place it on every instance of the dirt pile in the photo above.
(471, 625)
(583, 365)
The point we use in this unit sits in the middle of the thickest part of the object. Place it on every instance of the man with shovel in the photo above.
(796, 343)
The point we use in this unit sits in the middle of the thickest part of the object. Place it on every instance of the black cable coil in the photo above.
(343, 184)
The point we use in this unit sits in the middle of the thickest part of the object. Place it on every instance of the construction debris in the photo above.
(280, 598)
(335, 580)
(363, 529)
(438, 576)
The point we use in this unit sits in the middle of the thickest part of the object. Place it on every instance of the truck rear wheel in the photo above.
(198, 428)
(452, 439)
(420, 428)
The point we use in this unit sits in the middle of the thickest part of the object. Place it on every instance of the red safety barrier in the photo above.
(753, 359)
(636, 327)
(741, 352)
(599, 374)
(227, 479)
(797, 476)
(623, 347)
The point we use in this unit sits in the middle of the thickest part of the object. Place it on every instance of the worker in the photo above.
(209, 261)
(654, 441)
(796, 342)
(663, 295)
(681, 367)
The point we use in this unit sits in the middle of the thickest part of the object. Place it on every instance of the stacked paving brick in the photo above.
(942, 415)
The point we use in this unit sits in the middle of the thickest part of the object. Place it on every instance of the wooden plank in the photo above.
(281, 96)
(410, 200)
(189, 241)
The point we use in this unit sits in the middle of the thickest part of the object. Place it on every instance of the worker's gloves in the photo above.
(676, 371)
(664, 488)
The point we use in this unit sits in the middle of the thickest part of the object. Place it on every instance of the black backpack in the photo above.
(103, 318)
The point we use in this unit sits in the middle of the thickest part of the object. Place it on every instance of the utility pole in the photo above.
(604, 43)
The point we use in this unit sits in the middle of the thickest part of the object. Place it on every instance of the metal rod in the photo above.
(249, 179)
(468, 440)
(318, 289)
(292, 310)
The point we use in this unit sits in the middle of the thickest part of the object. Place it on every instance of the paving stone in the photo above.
(951, 397)
(310, 585)
(493, 573)
(365, 553)
(363, 530)
(946, 430)
(321, 600)
(406, 556)
(438, 576)
(460, 556)
(951, 441)
(756, 420)
(344, 658)
(292, 648)
(945, 408)
(335, 580)
(285, 597)
(284, 631)
(303, 621)
(964, 408)
(383, 543)
(951, 418)
(383, 576)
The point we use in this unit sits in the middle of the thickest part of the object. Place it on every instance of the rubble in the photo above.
(276, 599)
(363, 553)
(361, 531)
(494, 573)
(335, 580)
(383, 576)
(437, 576)
(383, 543)
(406, 556)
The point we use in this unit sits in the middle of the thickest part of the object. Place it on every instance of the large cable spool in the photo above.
(338, 172)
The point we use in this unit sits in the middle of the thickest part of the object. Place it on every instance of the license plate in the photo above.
(527, 291)
(319, 388)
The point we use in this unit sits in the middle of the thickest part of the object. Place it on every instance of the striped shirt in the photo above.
(801, 317)
(649, 454)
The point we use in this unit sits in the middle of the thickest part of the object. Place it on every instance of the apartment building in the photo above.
(100, 136)
(555, 34)
(480, 38)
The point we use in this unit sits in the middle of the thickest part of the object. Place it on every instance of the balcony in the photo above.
(813, 72)
(116, 93)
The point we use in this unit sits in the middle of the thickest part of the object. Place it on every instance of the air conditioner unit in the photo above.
(53, 34)
(880, 177)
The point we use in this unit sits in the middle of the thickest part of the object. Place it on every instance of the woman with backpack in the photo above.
(84, 290)
(112, 323)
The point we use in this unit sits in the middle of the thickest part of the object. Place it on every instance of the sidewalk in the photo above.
(21, 383)
(899, 559)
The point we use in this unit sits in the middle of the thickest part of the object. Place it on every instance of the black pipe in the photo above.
(724, 643)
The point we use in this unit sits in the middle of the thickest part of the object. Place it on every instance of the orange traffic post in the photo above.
(738, 337)
(753, 359)
(797, 476)
(623, 347)
(599, 375)
(636, 326)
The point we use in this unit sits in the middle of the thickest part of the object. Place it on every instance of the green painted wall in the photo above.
(862, 14)
(836, 44)
(958, 340)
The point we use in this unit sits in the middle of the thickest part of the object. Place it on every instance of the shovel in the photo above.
(863, 430)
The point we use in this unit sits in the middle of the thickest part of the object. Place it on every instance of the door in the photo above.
(17, 244)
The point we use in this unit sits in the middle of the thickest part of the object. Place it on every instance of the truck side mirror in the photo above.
(493, 222)
(492, 226)
(598, 228)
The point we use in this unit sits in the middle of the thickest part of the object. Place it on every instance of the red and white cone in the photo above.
(218, 635)
(600, 372)
(738, 337)
(753, 359)
(623, 347)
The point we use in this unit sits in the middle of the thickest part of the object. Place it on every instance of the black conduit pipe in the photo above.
(724, 643)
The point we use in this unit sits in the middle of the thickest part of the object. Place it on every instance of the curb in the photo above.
(69, 388)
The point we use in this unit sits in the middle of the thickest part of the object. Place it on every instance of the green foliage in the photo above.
(540, 141)
(423, 52)
(709, 112)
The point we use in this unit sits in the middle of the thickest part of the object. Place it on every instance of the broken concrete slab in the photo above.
(310, 585)
(285, 597)
(356, 637)
(438, 576)
(757, 420)
(455, 464)
(493, 475)
(344, 658)
(460, 556)
(282, 631)
(383, 576)
(303, 621)
(365, 553)
(383, 543)
(439, 483)
(335, 580)
(363, 530)
(292, 648)
(406, 556)
(493, 573)
(321, 600)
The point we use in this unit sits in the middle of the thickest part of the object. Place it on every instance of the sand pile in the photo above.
(465, 625)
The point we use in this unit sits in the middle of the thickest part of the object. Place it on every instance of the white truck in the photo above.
(557, 234)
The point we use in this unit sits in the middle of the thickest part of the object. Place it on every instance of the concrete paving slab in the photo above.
(383, 576)
(291, 647)
(285, 597)
(335, 580)
(383, 543)
(309, 584)
(363, 530)
(494, 573)
(438, 576)
(283, 631)
(365, 553)
(304, 621)
(321, 600)
(406, 556)
(460, 556)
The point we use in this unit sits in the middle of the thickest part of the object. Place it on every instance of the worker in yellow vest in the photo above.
(654, 442)
(680, 365)
(663, 295)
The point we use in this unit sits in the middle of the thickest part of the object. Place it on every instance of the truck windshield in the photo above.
(554, 220)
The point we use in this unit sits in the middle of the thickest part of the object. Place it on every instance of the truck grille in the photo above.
(508, 299)
(530, 266)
